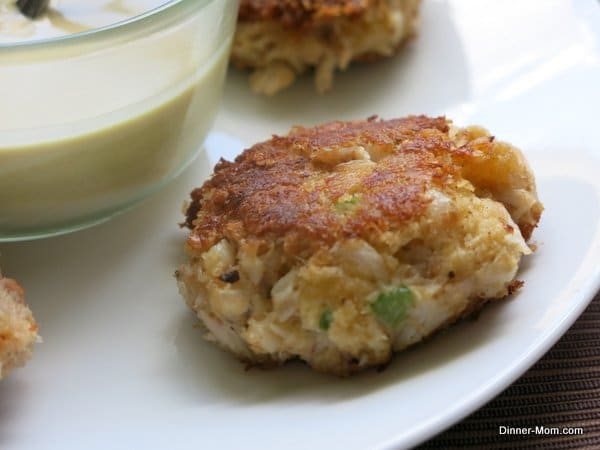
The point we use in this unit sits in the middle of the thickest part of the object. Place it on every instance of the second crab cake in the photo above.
(342, 243)
(280, 39)
(18, 330)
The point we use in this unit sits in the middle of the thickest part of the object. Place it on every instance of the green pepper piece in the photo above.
(345, 205)
(326, 319)
(391, 307)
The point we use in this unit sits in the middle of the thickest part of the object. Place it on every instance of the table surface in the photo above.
(562, 390)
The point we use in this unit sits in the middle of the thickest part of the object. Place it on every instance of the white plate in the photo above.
(122, 366)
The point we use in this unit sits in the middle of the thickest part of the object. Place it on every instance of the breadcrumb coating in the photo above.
(343, 243)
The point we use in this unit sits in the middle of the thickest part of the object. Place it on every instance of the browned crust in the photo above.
(514, 286)
(280, 189)
(301, 12)
(527, 228)
(276, 189)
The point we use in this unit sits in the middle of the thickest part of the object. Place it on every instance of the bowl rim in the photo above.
(128, 29)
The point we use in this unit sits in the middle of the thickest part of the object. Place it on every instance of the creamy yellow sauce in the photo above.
(67, 17)
(74, 152)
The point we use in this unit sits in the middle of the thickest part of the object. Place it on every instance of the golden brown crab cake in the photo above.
(18, 330)
(342, 243)
(280, 39)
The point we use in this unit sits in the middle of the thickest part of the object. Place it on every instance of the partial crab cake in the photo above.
(281, 39)
(18, 330)
(343, 243)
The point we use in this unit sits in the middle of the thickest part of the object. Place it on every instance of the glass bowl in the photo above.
(94, 122)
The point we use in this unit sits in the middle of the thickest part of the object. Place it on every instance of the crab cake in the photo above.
(18, 330)
(343, 243)
(280, 39)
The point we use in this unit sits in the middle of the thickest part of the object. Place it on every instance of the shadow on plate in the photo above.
(203, 366)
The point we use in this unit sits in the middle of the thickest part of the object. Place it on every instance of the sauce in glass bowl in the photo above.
(93, 122)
